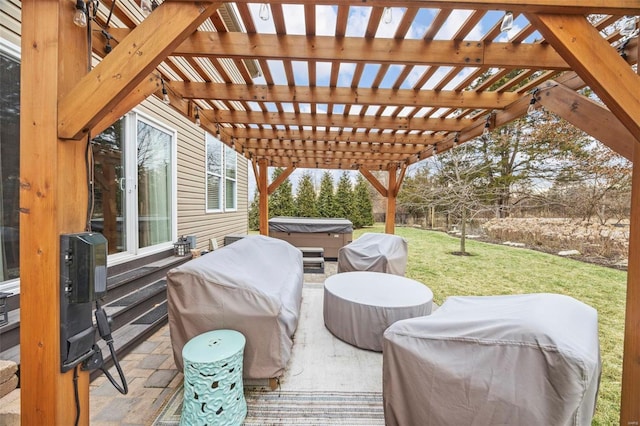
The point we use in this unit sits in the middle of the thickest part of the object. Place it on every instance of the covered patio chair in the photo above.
(376, 253)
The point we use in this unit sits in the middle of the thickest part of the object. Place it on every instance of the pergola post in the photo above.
(390, 222)
(53, 200)
(629, 406)
(262, 176)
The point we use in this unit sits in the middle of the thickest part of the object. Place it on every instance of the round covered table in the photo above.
(360, 305)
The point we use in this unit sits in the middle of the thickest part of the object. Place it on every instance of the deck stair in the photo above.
(312, 260)
(136, 301)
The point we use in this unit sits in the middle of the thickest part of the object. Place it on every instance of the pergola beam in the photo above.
(281, 178)
(570, 7)
(588, 116)
(344, 95)
(264, 147)
(336, 120)
(361, 50)
(373, 181)
(269, 138)
(146, 88)
(587, 52)
(120, 72)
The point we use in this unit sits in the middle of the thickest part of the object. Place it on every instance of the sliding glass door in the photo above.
(134, 191)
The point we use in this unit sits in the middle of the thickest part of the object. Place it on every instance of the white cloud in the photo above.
(296, 24)
(358, 21)
(326, 17)
(345, 75)
(452, 24)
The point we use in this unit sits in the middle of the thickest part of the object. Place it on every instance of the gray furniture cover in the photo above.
(253, 286)
(310, 225)
(498, 360)
(374, 252)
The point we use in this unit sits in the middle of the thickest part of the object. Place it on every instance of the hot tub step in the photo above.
(312, 252)
(313, 265)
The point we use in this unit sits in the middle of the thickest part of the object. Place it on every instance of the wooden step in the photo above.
(313, 265)
(312, 251)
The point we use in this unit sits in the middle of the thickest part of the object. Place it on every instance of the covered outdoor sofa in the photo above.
(253, 286)
(524, 360)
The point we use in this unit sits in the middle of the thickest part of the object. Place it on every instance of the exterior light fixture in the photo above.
(146, 7)
(387, 15)
(197, 116)
(80, 16)
(628, 26)
(434, 150)
(456, 139)
(487, 126)
(532, 102)
(165, 94)
(264, 12)
(218, 130)
(507, 22)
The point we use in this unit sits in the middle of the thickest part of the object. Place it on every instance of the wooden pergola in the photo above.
(379, 93)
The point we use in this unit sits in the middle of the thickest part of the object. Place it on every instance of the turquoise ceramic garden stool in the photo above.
(213, 391)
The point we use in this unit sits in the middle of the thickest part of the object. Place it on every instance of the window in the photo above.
(230, 168)
(9, 163)
(222, 165)
(214, 174)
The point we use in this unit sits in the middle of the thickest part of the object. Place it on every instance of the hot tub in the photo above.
(329, 233)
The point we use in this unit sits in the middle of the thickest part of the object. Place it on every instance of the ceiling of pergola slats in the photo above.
(345, 85)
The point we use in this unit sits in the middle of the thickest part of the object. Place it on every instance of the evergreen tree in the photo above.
(281, 201)
(362, 205)
(325, 197)
(254, 212)
(344, 198)
(306, 197)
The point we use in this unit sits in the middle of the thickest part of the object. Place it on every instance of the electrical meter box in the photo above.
(84, 266)
(83, 280)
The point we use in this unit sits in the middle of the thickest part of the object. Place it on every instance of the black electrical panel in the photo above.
(83, 280)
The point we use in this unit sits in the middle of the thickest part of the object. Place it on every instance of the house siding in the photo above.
(192, 217)
(10, 14)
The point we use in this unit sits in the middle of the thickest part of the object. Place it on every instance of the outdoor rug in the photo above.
(265, 407)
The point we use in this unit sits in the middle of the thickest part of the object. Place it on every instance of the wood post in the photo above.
(630, 399)
(263, 188)
(53, 200)
(390, 222)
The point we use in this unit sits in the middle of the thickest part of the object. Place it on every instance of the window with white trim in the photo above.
(221, 185)
(230, 178)
(214, 173)
(9, 165)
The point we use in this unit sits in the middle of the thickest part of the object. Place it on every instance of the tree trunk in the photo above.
(463, 230)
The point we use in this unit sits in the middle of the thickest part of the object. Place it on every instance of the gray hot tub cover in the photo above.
(497, 360)
(374, 252)
(310, 225)
(253, 286)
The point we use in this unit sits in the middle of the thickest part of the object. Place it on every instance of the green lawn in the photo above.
(494, 269)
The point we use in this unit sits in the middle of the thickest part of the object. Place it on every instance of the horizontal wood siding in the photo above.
(193, 218)
(10, 14)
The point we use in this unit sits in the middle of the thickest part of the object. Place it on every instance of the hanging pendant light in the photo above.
(507, 22)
